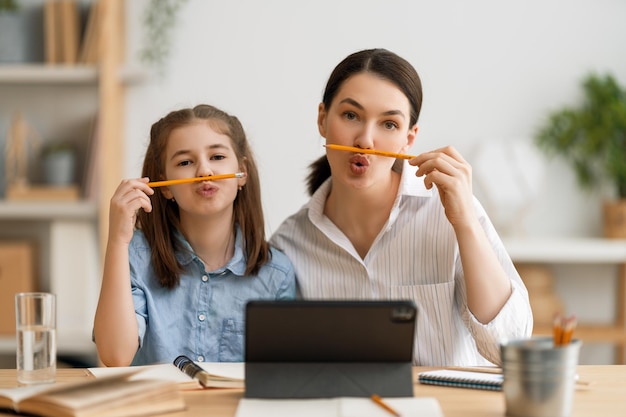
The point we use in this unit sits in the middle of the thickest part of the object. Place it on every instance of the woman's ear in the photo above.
(410, 137)
(321, 119)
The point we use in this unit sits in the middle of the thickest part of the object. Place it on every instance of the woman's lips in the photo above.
(359, 164)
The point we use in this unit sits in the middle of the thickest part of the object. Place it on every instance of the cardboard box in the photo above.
(17, 274)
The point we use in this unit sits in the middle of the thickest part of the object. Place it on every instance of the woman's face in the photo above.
(367, 112)
(197, 150)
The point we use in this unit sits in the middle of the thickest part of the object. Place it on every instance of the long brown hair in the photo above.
(161, 224)
(384, 64)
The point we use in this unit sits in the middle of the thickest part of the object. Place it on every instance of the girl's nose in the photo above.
(204, 169)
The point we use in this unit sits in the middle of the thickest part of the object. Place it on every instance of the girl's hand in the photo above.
(446, 168)
(130, 196)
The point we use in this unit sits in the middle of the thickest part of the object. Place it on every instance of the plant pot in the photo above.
(614, 212)
(12, 41)
(59, 168)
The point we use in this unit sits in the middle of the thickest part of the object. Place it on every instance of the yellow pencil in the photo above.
(369, 151)
(384, 405)
(196, 179)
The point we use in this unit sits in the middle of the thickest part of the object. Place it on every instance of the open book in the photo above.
(116, 395)
(220, 374)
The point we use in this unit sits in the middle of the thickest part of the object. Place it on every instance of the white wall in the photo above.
(491, 71)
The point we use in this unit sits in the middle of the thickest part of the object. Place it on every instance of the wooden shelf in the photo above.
(533, 255)
(38, 74)
(566, 250)
(47, 210)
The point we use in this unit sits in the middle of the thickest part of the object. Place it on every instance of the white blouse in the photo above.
(414, 257)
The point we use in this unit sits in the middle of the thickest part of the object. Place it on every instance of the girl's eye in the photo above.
(218, 157)
(184, 163)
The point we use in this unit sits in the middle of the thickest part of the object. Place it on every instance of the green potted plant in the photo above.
(592, 139)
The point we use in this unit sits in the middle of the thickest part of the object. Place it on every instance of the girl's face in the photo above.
(196, 150)
(367, 112)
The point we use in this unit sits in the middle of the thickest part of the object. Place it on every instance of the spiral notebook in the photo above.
(462, 379)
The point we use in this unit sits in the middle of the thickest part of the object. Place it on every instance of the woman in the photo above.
(383, 228)
(178, 283)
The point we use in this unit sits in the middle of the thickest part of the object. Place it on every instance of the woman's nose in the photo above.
(365, 137)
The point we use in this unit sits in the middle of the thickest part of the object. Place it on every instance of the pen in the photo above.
(196, 179)
(369, 151)
(384, 405)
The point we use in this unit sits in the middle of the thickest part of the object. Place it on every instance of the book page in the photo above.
(338, 407)
(161, 372)
(230, 370)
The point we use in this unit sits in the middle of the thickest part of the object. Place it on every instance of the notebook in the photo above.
(316, 349)
(462, 379)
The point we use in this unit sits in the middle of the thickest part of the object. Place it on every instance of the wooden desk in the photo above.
(606, 397)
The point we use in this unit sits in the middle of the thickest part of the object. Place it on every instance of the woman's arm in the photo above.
(488, 287)
(115, 325)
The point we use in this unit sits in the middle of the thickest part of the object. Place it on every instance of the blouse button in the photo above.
(205, 278)
(200, 358)
(201, 317)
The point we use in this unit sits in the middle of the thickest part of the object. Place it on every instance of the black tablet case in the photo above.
(321, 349)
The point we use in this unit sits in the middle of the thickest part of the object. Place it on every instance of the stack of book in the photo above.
(64, 40)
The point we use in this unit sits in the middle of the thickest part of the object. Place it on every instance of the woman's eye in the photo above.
(390, 125)
(350, 115)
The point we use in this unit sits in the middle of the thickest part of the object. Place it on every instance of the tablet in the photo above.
(321, 349)
(343, 331)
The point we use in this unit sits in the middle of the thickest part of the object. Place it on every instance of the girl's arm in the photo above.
(488, 286)
(115, 325)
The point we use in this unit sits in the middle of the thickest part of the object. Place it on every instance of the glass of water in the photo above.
(35, 314)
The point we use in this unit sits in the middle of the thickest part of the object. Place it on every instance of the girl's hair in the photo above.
(160, 225)
(382, 63)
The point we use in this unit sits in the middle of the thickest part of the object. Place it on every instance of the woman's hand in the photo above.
(452, 174)
(130, 196)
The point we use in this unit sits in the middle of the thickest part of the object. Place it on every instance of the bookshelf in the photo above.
(534, 256)
(63, 101)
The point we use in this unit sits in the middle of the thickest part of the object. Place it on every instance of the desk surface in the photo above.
(605, 397)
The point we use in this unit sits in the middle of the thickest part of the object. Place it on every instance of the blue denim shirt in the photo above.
(202, 318)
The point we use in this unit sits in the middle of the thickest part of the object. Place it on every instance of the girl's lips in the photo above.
(206, 189)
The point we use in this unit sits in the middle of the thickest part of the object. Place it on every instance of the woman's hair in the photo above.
(160, 225)
(382, 63)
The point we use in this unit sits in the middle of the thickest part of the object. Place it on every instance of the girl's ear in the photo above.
(321, 119)
(167, 193)
(243, 167)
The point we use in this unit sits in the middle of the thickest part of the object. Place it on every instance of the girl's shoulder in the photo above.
(279, 260)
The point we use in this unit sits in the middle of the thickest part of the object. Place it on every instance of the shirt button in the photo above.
(200, 358)
(205, 278)
(201, 317)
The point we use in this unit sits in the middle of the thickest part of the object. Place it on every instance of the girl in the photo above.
(374, 230)
(178, 282)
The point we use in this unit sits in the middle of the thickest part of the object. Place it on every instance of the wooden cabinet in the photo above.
(535, 258)
(70, 236)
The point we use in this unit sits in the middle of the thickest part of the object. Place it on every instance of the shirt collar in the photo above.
(410, 186)
(236, 265)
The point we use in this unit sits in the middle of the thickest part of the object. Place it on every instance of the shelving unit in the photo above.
(528, 253)
(63, 100)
